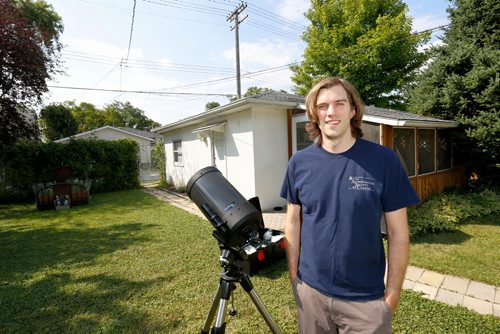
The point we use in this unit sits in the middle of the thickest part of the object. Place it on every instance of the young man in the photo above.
(337, 191)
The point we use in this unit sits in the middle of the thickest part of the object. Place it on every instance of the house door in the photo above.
(219, 151)
(300, 138)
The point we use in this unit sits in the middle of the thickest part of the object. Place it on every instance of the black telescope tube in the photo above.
(228, 211)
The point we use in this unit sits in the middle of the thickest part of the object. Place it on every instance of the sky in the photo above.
(170, 57)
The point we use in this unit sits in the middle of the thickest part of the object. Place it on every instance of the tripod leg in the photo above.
(221, 300)
(248, 287)
(211, 312)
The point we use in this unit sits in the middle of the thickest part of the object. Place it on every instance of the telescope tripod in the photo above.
(228, 280)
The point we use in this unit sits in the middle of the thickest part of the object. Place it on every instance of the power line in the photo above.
(131, 30)
(140, 91)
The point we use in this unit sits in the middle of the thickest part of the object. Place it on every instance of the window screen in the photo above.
(444, 149)
(371, 132)
(177, 152)
(404, 145)
(302, 136)
(426, 151)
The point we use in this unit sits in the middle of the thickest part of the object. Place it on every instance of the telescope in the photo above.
(238, 222)
(246, 245)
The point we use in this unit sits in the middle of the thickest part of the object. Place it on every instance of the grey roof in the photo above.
(401, 115)
(273, 95)
(372, 114)
(141, 132)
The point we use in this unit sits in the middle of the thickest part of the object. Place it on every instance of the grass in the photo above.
(473, 251)
(129, 263)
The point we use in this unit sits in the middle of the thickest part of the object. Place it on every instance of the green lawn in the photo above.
(473, 251)
(129, 263)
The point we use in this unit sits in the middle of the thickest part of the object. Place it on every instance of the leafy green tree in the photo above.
(367, 42)
(255, 90)
(56, 122)
(462, 81)
(124, 114)
(212, 104)
(87, 115)
(29, 54)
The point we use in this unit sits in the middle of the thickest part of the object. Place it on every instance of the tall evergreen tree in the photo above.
(462, 80)
(367, 42)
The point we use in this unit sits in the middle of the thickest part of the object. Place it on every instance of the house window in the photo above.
(404, 145)
(426, 151)
(302, 136)
(371, 132)
(177, 144)
(444, 149)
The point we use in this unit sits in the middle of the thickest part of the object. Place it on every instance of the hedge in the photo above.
(110, 165)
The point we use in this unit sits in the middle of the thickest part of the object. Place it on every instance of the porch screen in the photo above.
(426, 151)
(404, 145)
(444, 149)
(371, 132)
(302, 136)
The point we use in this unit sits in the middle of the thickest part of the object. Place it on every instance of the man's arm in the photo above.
(292, 238)
(398, 248)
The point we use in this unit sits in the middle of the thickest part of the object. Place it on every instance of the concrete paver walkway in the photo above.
(476, 296)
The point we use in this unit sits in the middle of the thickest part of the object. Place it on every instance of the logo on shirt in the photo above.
(362, 183)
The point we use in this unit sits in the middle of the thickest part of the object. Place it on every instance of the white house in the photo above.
(146, 140)
(250, 141)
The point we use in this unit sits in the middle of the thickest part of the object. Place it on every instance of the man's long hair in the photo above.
(312, 126)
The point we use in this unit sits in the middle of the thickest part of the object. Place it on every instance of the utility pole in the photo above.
(234, 17)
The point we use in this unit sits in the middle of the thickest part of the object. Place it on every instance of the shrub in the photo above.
(111, 165)
(444, 211)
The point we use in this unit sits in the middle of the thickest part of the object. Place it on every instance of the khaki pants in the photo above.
(321, 314)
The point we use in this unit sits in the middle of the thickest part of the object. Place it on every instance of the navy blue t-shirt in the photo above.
(343, 197)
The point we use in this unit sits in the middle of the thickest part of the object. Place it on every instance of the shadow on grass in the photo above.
(275, 270)
(48, 281)
(25, 252)
(445, 238)
(99, 303)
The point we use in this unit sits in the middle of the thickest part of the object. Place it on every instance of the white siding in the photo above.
(270, 154)
(255, 143)
(112, 134)
(196, 155)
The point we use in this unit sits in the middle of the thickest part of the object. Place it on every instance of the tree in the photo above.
(56, 122)
(462, 80)
(367, 42)
(29, 50)
(86, 115)
(122, 114)
(212, 104)
(255, 90)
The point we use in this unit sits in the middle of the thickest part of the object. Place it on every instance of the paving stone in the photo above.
(478, 305)
(428, 291)
(408, 285)
(481, 291)
(413, 273)
(456, 284)
(449, 297)
(431, 278)
(496, 310)
(497, 295)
